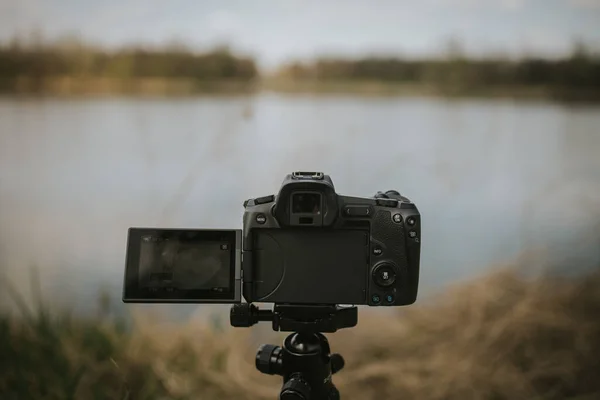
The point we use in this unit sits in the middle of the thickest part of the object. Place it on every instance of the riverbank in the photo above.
(95, 86)
(378, 88)
(498, 337)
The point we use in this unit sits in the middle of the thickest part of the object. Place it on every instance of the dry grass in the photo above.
(499, 337)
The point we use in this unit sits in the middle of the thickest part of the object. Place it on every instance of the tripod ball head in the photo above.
(304, 361)
(305, 364)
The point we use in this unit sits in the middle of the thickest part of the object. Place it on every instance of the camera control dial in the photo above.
(387, 202)
(384, 275)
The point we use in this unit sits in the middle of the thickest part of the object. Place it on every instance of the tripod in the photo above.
(304, 361)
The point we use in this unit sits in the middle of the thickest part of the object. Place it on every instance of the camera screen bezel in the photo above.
(132, 293)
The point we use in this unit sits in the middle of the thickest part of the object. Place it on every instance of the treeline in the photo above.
(579, 71)
(73, 66)
(46, 62)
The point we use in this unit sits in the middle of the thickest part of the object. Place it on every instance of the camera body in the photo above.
(309, 245)
(306, 245)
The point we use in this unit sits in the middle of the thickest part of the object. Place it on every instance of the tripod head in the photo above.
(304, 361)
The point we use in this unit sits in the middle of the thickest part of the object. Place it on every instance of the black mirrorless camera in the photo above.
(309, 251)
(307, 245)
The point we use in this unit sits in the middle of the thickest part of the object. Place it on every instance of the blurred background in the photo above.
(150, 113)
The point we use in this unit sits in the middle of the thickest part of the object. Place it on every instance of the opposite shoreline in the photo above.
(167, 87)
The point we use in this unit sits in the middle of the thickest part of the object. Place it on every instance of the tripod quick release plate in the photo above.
(296, 318)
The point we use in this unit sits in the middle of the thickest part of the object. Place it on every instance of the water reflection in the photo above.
(491, 178)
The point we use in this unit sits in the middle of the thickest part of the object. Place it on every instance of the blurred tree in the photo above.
(36, 60)
(456, 73)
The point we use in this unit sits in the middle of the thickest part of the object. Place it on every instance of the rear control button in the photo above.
(377, 250)
(386, 202)
(384, 275)
(411, 221)
(261, 218)
(397, 218)
(389, 298)
(376, 299)
(412, 234)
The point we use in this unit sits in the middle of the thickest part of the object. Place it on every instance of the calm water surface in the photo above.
(491, 178)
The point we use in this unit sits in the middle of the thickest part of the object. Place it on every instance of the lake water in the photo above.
(492, 179)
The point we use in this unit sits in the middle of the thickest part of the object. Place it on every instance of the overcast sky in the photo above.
(275, 30)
